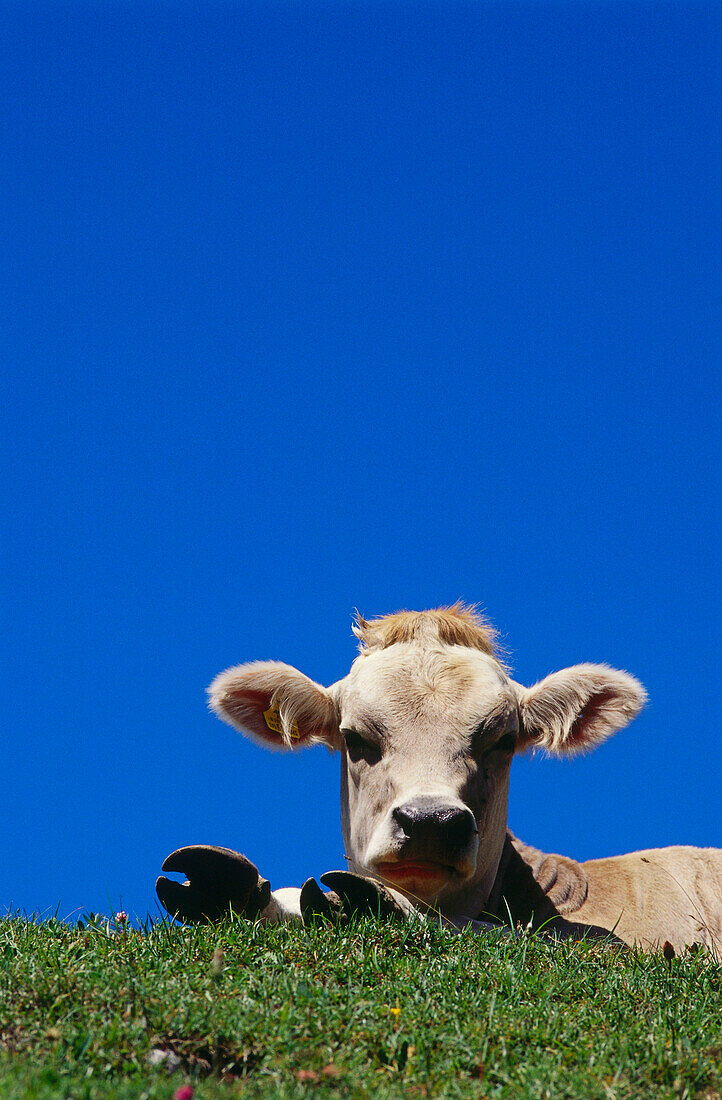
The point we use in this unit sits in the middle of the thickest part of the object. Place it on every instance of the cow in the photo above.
(427, 723)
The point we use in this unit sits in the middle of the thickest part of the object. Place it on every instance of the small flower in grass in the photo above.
(306, 1075)
(121, 920)
(185, 1092)
(668, 951)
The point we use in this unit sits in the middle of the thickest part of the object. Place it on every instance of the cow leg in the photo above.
(219, 881)
(284, 906)
(356, 894)
(355, 897)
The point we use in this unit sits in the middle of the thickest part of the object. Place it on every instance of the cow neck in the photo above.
(563, 880)
(534, 888)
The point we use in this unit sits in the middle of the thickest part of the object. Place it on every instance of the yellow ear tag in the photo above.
(273, 721)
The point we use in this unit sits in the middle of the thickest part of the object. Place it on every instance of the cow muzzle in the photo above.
(433, 844)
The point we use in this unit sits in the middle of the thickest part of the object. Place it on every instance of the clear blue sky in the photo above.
(315, 306)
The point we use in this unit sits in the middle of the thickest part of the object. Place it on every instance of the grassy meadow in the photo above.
(358, 1010)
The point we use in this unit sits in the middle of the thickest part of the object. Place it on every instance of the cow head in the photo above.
(427, 722)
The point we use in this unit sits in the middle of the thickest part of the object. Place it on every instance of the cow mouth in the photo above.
(405, 871)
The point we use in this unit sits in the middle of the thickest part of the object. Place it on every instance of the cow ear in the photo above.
(276, 705)
(576, 709)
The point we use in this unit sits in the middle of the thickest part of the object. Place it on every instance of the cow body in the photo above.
(646, 898)
(659, 895)
(427, 722)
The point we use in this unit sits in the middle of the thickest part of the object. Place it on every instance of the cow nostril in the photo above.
(458, 827)
(405, 817)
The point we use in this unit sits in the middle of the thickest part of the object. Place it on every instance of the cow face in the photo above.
(428, 735)
(427, 722)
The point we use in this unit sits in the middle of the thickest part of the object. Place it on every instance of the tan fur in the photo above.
(460, 624)
(562, 879)
(305, 710)
(557, 716)
(646, 898)
(661, 894)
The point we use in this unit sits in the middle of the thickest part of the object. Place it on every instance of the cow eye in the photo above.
(507, 743)
(359, 748)
(482, 741)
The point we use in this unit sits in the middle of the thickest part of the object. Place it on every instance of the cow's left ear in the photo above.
(576, 709)
(276, 705)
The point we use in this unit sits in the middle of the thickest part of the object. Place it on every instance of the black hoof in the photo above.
(219, 880)
(317, 905)
(362, 896)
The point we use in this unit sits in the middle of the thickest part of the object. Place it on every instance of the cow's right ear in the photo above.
(276, 705)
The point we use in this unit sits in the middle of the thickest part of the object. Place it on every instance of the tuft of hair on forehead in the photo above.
(461, 624)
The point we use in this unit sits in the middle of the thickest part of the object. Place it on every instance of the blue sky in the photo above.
(308, 307)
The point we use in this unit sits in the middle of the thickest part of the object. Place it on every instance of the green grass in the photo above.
(365, 1009)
